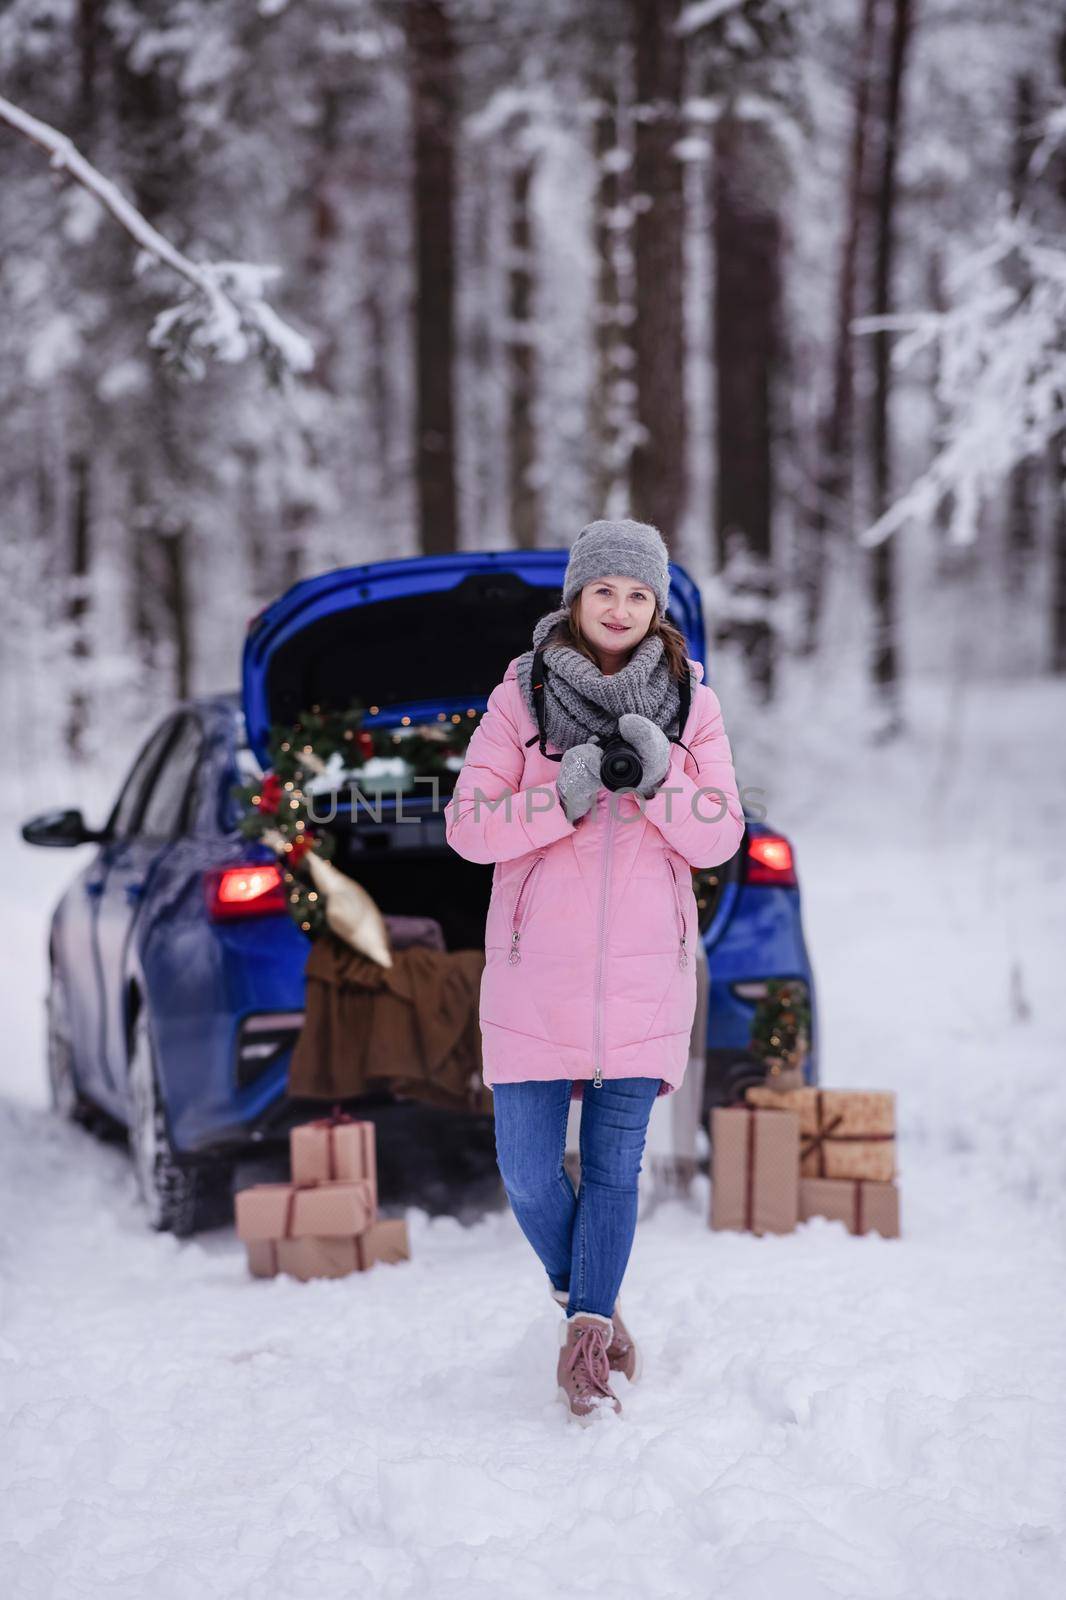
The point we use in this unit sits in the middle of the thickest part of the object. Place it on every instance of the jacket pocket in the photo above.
(682, 932)
(521, 906)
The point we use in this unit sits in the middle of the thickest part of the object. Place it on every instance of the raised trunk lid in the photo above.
(413, 638)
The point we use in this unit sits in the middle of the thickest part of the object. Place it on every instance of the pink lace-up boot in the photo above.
(623, 1352)
(583, 1372)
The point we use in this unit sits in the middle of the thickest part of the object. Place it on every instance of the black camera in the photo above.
(621, 767)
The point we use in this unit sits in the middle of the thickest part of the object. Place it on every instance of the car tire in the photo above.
(66, 1098)
(169, 1190)
(729, 1075)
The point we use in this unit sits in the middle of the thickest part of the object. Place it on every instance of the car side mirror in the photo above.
(59, 830)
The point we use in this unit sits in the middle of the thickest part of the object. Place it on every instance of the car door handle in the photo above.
(134, 892)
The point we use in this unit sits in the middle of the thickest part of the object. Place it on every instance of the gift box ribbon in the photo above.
(749, 1175)
(290, 1207)
(816, 1141)
(336, 1119)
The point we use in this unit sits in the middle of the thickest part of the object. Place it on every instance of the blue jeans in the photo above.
(583, 1239)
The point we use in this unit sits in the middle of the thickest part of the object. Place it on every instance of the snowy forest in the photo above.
(783, 278)
(293, 285)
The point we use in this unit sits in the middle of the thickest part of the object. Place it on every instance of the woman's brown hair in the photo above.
(567, 631)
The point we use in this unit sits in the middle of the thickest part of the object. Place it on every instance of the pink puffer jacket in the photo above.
(589, 971)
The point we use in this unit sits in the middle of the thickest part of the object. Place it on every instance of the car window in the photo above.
(124, 817)
(203, 804)
(166, 807)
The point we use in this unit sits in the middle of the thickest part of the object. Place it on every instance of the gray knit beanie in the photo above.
(631, 549)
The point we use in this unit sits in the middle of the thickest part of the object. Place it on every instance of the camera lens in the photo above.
(621, 767)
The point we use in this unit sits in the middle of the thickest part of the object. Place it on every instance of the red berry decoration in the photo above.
(270, 793)
(300, 848)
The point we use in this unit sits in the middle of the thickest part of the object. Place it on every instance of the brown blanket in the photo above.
(413, 1028)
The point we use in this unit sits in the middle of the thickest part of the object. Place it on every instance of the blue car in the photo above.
(176, 975)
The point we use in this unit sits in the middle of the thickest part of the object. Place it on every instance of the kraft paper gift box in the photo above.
(384, 1240)
(298, 1210)
(754, 1169)
(844, 1133)
(333, 1147)
(262, 1257)
(861, 1205)
(320, 1217)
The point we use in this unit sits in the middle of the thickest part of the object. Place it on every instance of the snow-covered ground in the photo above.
(820, 1415)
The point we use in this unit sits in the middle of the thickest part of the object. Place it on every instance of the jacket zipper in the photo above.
(597, 1082)
(682, 959)
(514, 955)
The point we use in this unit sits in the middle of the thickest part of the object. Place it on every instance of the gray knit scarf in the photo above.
(579, 700)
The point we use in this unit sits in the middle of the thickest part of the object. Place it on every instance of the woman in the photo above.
(588, 977)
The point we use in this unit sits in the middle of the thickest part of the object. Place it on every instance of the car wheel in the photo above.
(169, 1190)
(729, 1075)
(67, 1099)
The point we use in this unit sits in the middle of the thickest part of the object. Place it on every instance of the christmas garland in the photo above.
(781, 1026)
(320, 753)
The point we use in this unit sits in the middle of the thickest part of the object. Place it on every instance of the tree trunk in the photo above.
(833, 511)
(611, 409)
(142, 588)
(160, 603)
(521, 359)
(657, 465)
(1057, 585)
(148, 108)
(376, 313)
(884, 659)
(484, 485)
(78, 610)
(323, 193)
(434, 97)
(1058, 475)
(952, 560)
(1023, 486)
(747, 279)
(88, 30)
(296, 515)
(173, 544)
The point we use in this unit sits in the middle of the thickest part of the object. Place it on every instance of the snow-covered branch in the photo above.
(1052, 139)
(1001, 374)
(701, 13)
(224, 315)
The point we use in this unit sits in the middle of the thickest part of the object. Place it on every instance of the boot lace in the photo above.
(587, 1361)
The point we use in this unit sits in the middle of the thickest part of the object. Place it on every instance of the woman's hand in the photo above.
(579, 779)
(651, 745)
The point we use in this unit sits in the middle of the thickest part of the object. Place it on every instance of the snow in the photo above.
(820, 1417)
(56, 348)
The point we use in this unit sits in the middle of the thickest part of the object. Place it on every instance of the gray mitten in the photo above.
(651, 745)
(579, 779)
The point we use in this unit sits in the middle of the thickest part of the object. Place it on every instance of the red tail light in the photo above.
(252, 891)
(770, 861)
